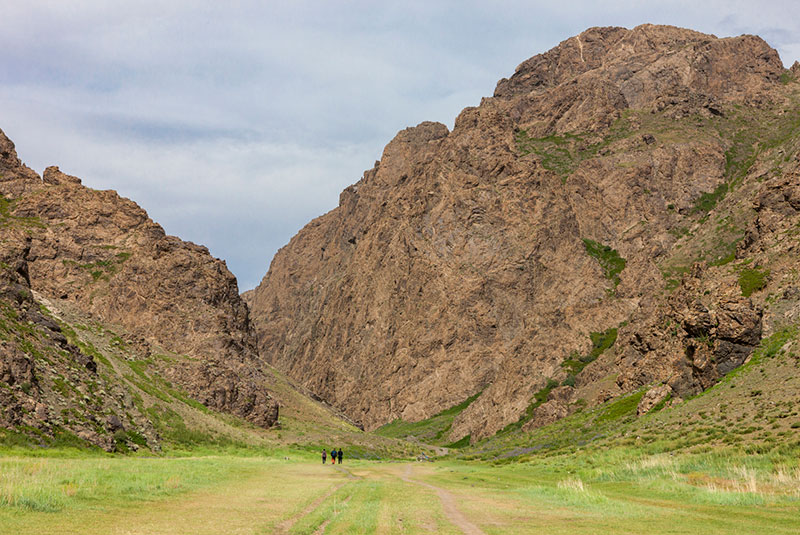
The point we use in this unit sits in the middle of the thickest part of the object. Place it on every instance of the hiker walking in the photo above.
(339, 453)
(324, 455)
(333, 456)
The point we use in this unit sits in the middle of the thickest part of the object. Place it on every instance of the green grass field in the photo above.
(726, 461)
(614, 490)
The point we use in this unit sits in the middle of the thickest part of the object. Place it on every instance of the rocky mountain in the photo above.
(78, 258)
(620, 215)
(247, 297)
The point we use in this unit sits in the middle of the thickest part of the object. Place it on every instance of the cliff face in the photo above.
(588, 224)
(100, 254)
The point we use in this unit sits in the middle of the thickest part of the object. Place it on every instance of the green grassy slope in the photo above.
(432, 430)
(755, 409)
(162, 416)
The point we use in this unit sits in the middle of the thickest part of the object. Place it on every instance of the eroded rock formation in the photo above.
(102, 254)
(574, 202)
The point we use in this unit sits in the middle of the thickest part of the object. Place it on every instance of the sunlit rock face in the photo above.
(101, 253)
(551, 235)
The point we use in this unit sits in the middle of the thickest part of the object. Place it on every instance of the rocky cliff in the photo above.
(100, 256)
(619, 215)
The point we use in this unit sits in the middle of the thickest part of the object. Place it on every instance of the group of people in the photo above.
(334, 455)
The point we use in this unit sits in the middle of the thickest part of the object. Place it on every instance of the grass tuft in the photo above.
(752, 280)
(609, 259)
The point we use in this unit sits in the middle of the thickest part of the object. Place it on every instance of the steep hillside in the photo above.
(753, 410)
(67, 379)
(99, 254)
(620, 215)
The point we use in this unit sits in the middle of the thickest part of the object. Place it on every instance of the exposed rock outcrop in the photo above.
(706, 329)
(247, 297)
(652, 398)
(568, 204)
(102, 253)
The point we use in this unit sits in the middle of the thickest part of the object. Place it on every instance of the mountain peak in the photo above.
(571, 230)
(650, 61)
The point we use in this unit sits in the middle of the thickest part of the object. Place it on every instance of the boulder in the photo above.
(653, 397)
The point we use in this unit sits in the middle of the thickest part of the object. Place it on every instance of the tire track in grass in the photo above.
(284, 527)
(321, 528)
(347, 472)
(333, 513)
(448, 504)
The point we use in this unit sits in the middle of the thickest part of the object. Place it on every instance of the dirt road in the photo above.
(448, 504)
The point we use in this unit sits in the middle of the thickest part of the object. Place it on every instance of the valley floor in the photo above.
(295, 494)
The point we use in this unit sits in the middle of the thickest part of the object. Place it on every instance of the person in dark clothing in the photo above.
(324, 455)
(339, 453)
(333, 456)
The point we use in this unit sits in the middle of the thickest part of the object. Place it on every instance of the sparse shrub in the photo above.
(609, 259)
(661, 404)
(725, 259)
(461, 443)
(707, 201)
(704, 339)
(752, 280)
(136, 438)
(121, 441)
(602, 341)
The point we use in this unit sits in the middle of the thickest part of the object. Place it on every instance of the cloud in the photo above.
(235, 123)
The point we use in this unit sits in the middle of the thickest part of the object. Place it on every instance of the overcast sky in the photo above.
(235, 123)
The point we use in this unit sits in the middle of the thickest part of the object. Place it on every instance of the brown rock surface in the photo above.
(703, 332)
(102, 253)
(247, 297)
(458, 264)
(653, 397)
(547, 413)
(46, 382)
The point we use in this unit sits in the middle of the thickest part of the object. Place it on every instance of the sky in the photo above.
(236, 123)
